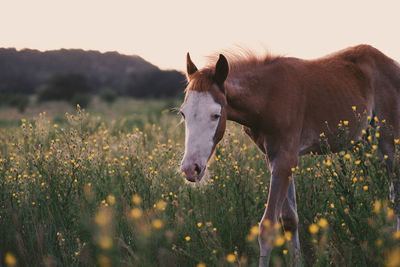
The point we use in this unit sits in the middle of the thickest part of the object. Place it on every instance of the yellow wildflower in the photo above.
(136, 213)
(104, 261)
(396, 235)
(111, 199)
(323, 223)
(390, 213)
(10, 259)
(279, 241)
(288, 235)
(230, 258)
(393, 258)
(161, 205)
(377, 206)
(254, 230)
(136, 199)
(103, 217)
(105, 242)
(157, 224)
(313, 228)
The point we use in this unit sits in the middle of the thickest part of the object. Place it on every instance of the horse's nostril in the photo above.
(197, 169)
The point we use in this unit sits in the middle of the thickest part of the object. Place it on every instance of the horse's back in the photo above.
(349, 85)
(313, 97)
(383, 71)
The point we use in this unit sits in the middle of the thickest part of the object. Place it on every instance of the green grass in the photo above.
(104, 189)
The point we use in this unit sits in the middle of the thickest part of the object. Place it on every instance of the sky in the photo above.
(162, 32)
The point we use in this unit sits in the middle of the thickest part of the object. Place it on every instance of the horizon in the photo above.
(163, 32)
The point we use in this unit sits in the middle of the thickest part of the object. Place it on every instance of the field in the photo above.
(102, 187)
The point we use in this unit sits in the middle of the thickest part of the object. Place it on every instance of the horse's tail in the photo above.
(397, 65)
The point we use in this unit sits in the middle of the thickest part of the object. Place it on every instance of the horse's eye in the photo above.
(216, 116)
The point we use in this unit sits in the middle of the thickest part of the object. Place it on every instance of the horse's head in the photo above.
(204, 112)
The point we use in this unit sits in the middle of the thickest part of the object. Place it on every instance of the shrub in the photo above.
(18, 100)
(82, 99)
(63, 87)
(108, 95)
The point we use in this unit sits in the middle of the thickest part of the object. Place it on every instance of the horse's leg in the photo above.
(280, 166)
(395, 197)
(387, 107)
(387, 147)
(290, 221)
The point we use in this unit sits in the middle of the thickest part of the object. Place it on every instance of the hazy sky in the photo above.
(163, 31)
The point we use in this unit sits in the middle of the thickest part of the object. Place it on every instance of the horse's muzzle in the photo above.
(193, 172)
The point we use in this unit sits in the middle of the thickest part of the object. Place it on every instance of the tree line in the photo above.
(73, 74)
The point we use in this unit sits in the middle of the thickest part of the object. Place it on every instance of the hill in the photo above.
(23, 71)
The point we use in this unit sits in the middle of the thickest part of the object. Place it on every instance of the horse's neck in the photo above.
(241, 107)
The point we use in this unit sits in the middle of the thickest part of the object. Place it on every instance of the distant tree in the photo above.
(108, 95)
(170, 83)
(25, 70)
(18, 100)
(64, 87)
(156, 84)
(82, 99)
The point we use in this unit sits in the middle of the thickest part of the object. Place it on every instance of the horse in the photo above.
(284, 104)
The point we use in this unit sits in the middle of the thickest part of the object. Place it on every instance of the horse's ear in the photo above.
(221, 70)
(190, 67)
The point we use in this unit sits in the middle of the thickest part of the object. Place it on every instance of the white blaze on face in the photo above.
(202, 116)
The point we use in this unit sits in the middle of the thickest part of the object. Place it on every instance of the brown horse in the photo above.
(284, 105)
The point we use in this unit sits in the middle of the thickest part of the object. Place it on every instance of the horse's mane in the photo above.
(238, 60)
(241, 58)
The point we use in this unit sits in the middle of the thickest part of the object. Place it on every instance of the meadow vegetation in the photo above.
(103, 188)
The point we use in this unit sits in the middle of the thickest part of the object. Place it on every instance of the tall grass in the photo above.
(88, 190)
